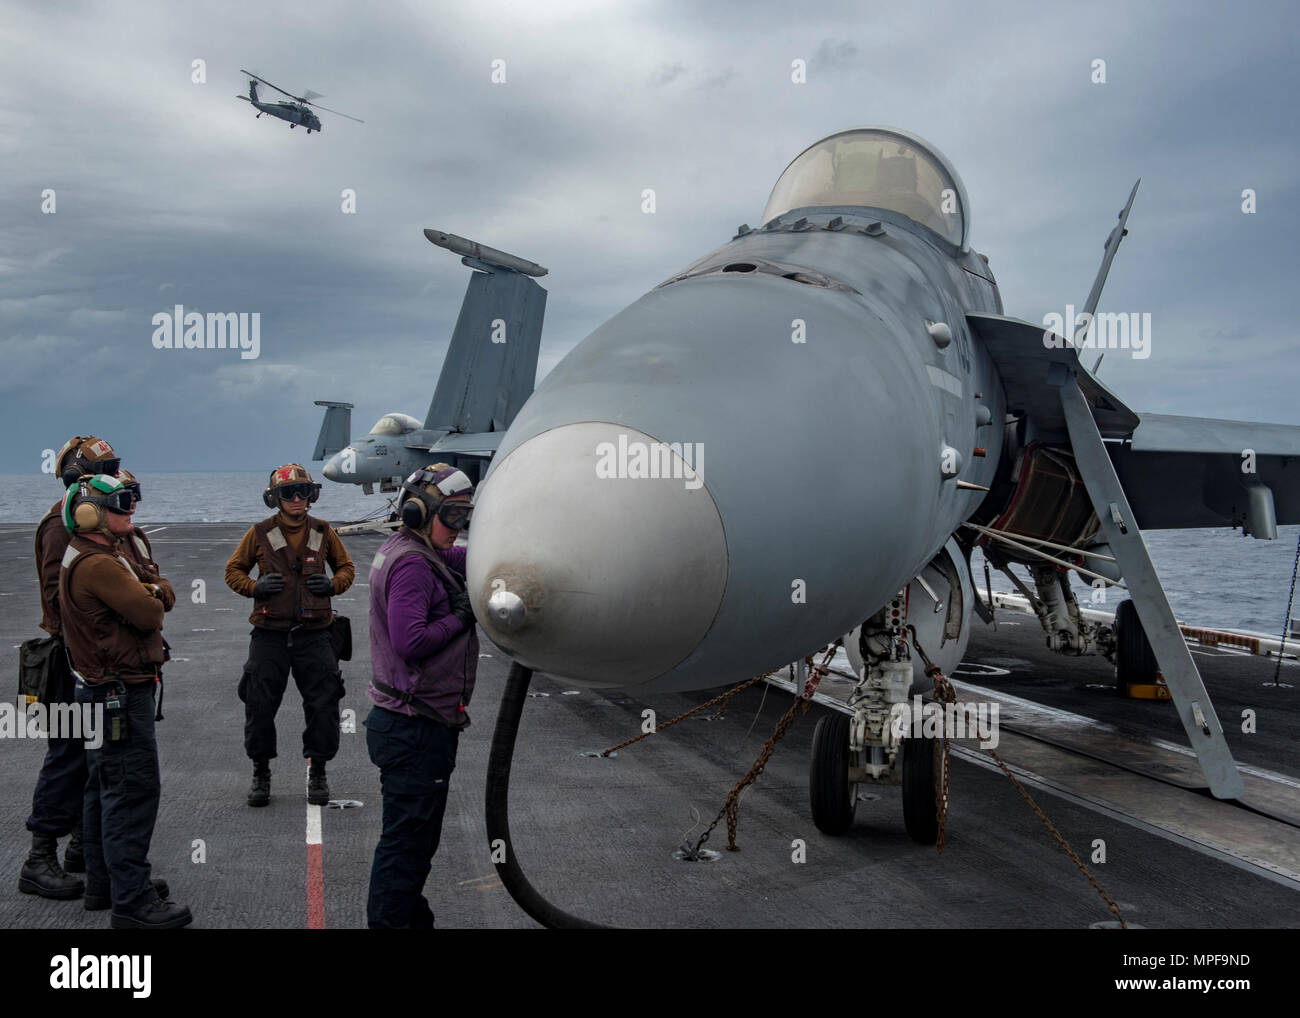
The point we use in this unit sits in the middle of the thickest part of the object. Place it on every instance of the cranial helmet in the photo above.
(129, 481)
(87, 503)
(426, 489)
(285, 476)
(84, 456)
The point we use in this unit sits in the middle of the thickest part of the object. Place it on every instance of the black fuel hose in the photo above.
(498, 809)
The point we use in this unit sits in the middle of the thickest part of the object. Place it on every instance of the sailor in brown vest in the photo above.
(112, 622)
(291, 618)
(60, 788)
(137, 549)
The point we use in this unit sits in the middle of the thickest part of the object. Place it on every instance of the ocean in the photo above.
(1214, 578)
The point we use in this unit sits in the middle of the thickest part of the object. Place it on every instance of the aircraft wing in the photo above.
(1176, 471)
(1200, 472)
(1024, 354)
(483, 443)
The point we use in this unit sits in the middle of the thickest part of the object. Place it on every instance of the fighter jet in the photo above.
(487, 374)
(804, 433)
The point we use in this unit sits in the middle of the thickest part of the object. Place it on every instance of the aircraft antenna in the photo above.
(1112, 245)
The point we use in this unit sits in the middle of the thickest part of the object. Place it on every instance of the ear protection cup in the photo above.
(269, 499)
(70, 476)
(69, 450)
(87, 516)
(415, 514)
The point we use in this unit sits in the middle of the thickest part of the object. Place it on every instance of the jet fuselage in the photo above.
(820, 375)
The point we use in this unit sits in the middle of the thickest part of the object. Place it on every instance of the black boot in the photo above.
(318, 789)
(42, 875)
(96, 902)
(156, 915)
(260, 792)
(74, 856)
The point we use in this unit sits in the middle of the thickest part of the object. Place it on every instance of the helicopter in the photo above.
(296, 112)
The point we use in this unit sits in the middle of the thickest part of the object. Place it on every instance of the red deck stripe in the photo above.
(315, 888)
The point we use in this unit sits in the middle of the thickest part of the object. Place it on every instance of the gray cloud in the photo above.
(171, 192)
(668, 72)
(834, 55)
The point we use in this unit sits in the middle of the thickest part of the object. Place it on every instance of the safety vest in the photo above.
(295, 605)
(102, 646)
(439, 686)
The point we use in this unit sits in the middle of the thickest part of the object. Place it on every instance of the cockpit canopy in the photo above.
(880, 168)
(395, 424)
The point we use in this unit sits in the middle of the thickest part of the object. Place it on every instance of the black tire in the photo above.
(920, 797)
(1135, 662)
(833, 799)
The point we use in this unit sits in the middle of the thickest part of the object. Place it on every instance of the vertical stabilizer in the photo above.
(491, 362)
(335, 430)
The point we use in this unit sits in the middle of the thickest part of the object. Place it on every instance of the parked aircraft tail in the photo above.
(491, 362)
(335, 430)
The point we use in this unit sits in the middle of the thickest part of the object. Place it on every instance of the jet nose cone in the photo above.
(597, 554)
(333, 469)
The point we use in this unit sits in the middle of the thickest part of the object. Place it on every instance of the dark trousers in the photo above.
(61, 786)
(121, 804)
(415, 758)
(310, 654)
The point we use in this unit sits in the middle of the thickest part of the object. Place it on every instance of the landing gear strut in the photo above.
(872, 745)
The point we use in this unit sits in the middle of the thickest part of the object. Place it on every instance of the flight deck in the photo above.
(597, 835)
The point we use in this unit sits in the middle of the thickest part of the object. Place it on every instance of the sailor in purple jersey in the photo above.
(424, 650)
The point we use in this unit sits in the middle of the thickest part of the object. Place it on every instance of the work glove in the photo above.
(461, 608)
(271, 583)
(319, 583)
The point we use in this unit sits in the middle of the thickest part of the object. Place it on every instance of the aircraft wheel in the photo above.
(1135, 662)
(833, 799)
(920, 798)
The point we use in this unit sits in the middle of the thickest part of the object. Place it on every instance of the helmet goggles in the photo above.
(300, 489)
(455, 515)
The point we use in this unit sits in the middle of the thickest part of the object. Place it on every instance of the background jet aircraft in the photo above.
(804, 434)
(488, 373)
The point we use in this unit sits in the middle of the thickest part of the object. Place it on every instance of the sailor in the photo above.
(60, 788)
(137, 548)
(112, 620)
(291, 621)
(424, 650)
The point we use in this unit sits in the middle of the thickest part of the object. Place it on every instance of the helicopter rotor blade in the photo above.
(336, 112)
(269, 85)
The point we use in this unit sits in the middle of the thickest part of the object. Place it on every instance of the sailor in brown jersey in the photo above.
(136, 547)
(291, 618)
(112, 620)
(60, 788)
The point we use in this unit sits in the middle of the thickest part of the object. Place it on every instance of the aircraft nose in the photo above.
(333, 469)
(582, 566)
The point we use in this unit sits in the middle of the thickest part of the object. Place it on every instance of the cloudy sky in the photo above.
(169, 191)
